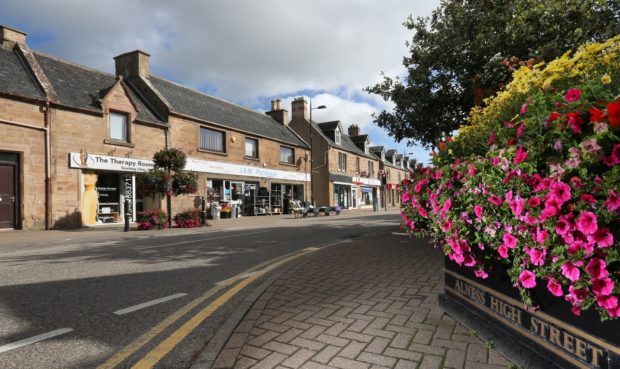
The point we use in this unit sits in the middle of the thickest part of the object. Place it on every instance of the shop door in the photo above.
(8, 199)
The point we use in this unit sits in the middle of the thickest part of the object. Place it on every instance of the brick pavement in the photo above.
(367, 304)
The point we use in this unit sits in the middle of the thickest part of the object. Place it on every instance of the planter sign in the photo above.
(577, 347)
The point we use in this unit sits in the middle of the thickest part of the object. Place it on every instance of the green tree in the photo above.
(467, 50)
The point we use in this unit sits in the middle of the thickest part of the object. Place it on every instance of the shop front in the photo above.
(107, 185)
(236, 190)
(367, 191)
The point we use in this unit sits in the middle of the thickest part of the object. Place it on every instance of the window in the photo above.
(211, 139)
(251, 147)
(287, 155)
(118, 127)
(342, 162)
(337, 137)
(357, 165)
(371, 169)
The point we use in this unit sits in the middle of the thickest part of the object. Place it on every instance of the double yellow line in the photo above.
(154, 356)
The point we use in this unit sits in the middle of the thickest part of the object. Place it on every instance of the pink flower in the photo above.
(607, 302)
(491, 139)
(602, 237)
(572, 95)
(570, 271)
(502, 250)
(562, 226)
(406, 197)
(587, 222)
(537, 257)
(478, 211)
(554, 287)
(534, 202)
(520, 155)
(527, 279)
(520, 130)
(587, 198)
(603, 286)
(560, 191)
(541, 235)
(481, 274)
(576, 295)
(597, 268)
(613, 201)
(447, 225)
(510, 241)
(495, 200)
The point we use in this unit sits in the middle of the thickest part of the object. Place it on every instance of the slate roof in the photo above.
(329, 126)
(188, 102)
(15, 78)
(80, 87)
(346, 143)
(377, 148)
(359, 138)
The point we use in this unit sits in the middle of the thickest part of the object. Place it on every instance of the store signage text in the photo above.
(243, 170)
(113, 163)
(561, 337)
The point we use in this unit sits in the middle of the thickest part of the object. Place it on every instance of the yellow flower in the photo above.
(606, 79)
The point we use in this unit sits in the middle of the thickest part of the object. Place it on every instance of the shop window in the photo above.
(287, 155)
(118, 127)
(212, 140)
(251, 148)
(342, 162)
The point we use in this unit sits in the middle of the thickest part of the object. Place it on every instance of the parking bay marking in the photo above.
(35, 339)
(143, 305)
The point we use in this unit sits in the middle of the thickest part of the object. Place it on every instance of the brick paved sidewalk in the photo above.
(366, 304)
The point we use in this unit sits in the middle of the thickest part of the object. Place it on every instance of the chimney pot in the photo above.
(273, 105)
(9, 37)
(354, 130)
(300, 109)
(279, 104)
(132, 64)
(277, 112)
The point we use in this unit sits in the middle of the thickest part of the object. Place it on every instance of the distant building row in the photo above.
(72, 140)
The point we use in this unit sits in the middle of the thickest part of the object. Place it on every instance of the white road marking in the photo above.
(209, 239)
(149, 303)
(401, 234)
(35, 339)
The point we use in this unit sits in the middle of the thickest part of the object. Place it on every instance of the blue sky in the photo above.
(247, 52)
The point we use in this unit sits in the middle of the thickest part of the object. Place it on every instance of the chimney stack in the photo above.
(300, 109)
(354, 130)
(10, 37)
(132, 64)
(277, 113)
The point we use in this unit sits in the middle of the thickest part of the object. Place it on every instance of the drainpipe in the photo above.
(48, 169)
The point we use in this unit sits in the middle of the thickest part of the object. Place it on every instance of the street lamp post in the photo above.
(311, 151)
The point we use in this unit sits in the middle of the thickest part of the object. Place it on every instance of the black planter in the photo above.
(550, 337)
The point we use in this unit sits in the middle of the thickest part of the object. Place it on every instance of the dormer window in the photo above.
(337, 139)
(366, 149)
(382, 156)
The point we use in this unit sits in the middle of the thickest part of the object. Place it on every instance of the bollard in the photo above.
(126, 215)
(203, 208)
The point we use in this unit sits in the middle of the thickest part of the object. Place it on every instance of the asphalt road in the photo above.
(64, 293)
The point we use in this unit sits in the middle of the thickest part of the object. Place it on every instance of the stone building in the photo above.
(393, 168)
(344, 171)
(72, 140)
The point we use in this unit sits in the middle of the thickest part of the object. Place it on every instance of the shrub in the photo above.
(188, 219)
(150, 218)
(534, 183)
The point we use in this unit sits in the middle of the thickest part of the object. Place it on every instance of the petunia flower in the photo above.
(570, 271)
(602, 237)
(587, 222)
(527, 279)
(510, 241)
(607, 302)
(603, 286)
(481, 274)
(554, 287)
(572, 95)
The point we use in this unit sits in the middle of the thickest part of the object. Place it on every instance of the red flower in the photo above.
(575, 122)
(442, 146)
(572, 95)
(553, 116)
(613, 113)
(596, 115)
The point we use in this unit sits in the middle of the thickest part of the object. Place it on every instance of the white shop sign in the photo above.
(113, 163)
(367, 181)
(243, 170)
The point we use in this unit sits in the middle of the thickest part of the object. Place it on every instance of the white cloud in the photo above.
(243, 51)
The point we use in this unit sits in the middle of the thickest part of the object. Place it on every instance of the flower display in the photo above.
(535, 188)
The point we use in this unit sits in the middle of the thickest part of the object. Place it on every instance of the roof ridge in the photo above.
(90, 69)
(214, 97)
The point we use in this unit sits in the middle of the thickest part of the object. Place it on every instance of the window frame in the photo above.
(342, 162)
(337, 137)
(200, 146)
(292, 162)
(127, 131)
(245, 152)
